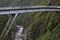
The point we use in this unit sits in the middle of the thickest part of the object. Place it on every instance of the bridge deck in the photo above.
(23, 9)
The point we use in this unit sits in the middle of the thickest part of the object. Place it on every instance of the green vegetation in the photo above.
(41, 25)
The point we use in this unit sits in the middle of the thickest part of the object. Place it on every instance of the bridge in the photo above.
(23, 9)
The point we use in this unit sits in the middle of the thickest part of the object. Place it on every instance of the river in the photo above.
(19, 33)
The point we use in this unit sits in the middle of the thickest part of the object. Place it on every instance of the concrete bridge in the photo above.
(23, 9)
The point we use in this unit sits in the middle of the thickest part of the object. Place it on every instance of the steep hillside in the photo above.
(38, 25)
(41, 25)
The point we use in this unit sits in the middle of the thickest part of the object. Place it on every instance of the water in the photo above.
(19, 33)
